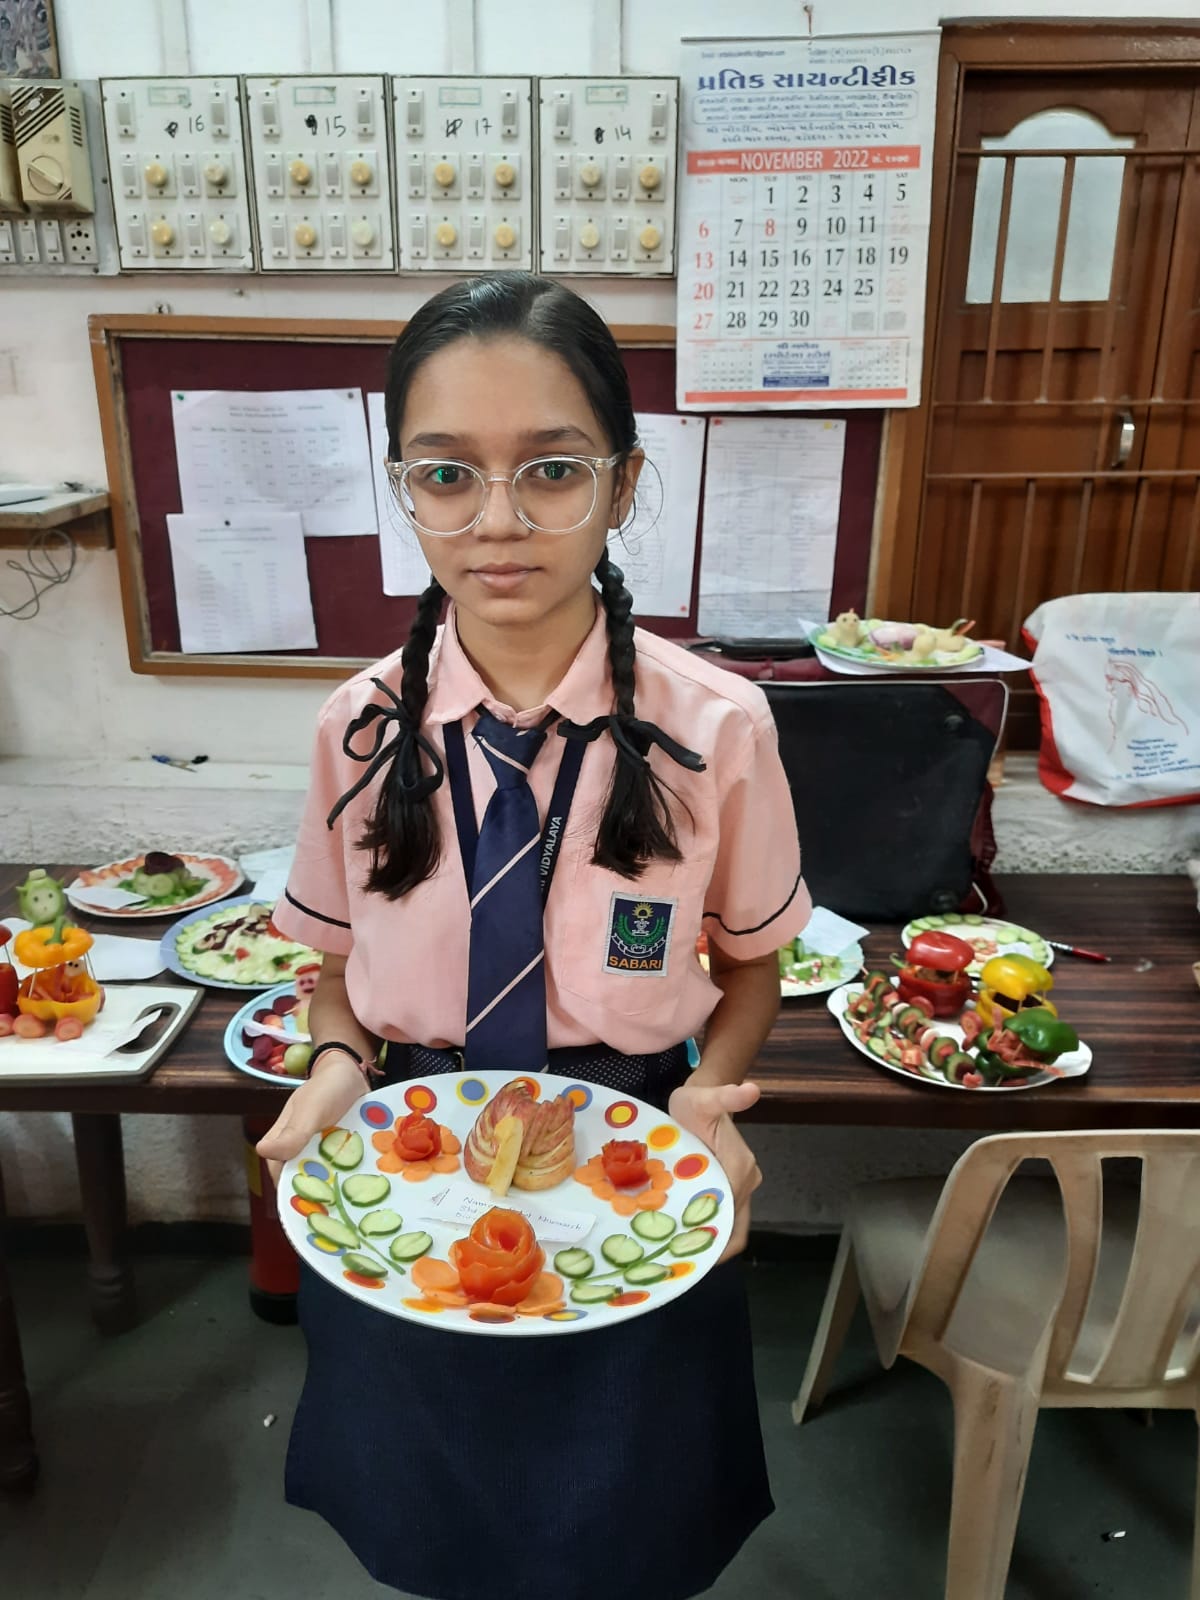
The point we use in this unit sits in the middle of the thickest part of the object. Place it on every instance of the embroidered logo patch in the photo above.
(639, 935)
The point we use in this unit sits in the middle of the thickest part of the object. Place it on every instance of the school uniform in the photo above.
(626, 1461)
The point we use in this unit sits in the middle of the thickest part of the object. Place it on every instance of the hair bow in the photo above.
(633, 739)
(404, 749)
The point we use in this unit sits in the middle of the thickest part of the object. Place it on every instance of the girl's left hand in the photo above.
(708, 1112)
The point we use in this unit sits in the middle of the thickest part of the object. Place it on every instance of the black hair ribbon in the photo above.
(633, 739)
(404, 749)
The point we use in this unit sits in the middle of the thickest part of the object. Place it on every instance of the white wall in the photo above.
(259, 731)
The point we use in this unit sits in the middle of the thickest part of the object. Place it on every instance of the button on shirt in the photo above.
(621, 962)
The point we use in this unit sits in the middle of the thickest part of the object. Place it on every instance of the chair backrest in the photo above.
(887, 775)
(1152, 1334)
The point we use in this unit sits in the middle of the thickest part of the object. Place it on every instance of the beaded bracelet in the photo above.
(367, 1068)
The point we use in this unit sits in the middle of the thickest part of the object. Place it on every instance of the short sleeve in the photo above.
(315, 908)
(756, 898)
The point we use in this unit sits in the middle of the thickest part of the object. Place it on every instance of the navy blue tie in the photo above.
(506, 983)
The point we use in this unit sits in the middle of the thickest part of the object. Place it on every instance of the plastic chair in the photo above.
(1066, 1291)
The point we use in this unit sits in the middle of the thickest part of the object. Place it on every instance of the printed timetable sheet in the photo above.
(804, 221)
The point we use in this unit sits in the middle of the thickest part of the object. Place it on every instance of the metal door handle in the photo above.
(1127, 428)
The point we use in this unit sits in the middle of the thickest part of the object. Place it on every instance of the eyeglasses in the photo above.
(551, 494)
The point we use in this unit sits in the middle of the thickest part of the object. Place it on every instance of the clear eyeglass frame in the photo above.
(399, 473)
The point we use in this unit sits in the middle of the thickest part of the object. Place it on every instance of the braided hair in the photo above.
(636, 825)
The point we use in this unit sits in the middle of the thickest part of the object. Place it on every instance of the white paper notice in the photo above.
(461, 1205)
(772, 494)
(302, 450)
(405, 570)
(804, 220)
(657, 553)
(241, 583)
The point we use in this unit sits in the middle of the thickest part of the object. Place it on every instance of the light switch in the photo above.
(274, 175)
(562, 238)
(620, 239)
(268, 117)
(189, 177)
(218, 116)
(135, 232)
(416, 177)
(8, 250)
(193, 234)
(131, 183)
(335, 231)
(51, 240)
(364, 114)
(414, 114)
(418, 238)
(509, 115)
(333, 174)
(126, 113)
(659, 113)
(279, 235)
(474, 177)
(562, 114)
(475, 237)
(562, 177)
(621, 173)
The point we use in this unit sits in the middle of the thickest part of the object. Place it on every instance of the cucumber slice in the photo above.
(410, 1246)
(974, 918)
(333, 1229)
(621, 1251)
(702, 1209)
(341, 1148)
(365, 1266)
(574, 1263)
(592, 1294)
(378, 1224)
(924, 922)
(368, 1189)
(691, 1244)
(643, 1272)
(953, 917)
(653, 1225)
(313, 1189)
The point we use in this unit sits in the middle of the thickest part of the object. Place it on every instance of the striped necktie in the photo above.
(506, 982)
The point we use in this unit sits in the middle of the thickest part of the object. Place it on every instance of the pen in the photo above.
(173, 761)
(1077, 950)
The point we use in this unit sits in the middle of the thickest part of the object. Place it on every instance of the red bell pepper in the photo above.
(935, 969)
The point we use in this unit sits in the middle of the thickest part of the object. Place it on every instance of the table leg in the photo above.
(100, 1162)
(18, 1459)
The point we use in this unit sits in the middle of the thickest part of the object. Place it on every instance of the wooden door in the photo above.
(1057, 450)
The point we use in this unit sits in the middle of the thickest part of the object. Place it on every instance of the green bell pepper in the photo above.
(1042, 1036)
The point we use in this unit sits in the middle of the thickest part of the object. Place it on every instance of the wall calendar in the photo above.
(804, 221)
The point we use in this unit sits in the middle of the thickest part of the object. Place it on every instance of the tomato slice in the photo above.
(624, 1162)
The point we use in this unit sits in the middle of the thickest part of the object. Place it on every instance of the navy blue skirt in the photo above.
(626, 1462)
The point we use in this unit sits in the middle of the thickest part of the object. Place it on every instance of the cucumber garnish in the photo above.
(379, 1224)
(621, 1251)
(702, 1209)
(691, 1244)
(343, 1149)
(367, 1189)
(643, 1272)
(410, 1246)
(363, 1265)
(653, 1225)
(591, 1294)
(574, 1263)
(333, 1229)
(315, 1189)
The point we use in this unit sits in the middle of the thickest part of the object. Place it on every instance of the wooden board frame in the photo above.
(106, 334)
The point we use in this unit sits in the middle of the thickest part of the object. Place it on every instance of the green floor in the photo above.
(161, 1482)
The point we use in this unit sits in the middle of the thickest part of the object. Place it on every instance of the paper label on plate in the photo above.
(107, 897)
(461, 1205)
(829, 934)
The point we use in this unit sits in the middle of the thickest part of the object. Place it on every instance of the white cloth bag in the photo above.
(1118, 676)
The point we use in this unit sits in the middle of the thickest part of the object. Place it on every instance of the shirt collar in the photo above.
(456, 689)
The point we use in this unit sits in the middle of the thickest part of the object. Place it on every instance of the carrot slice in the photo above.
(416, 1171)
(431, 1273)
(445, 1163)
(454, 1298)
(424, 1304)
(450, 1144)
(547, 1288)
(390, 1163)
(654, 1166)
(651, 1200)
(383, 1142)
(624, 1205)
(589, 1176)
(661, 1181)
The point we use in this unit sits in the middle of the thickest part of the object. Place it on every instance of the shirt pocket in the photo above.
(624, 945)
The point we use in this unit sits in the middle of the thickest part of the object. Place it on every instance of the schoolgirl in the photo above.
(517, 827)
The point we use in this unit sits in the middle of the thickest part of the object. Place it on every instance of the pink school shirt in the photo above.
(739, 879)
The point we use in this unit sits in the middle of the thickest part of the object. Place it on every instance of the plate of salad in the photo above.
(166, 883)
(237, 946)
(803, 971)
(988, 937)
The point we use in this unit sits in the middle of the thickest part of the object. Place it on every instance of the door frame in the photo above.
(1025, 46)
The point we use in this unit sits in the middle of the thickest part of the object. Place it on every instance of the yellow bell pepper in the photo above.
(1009, 984)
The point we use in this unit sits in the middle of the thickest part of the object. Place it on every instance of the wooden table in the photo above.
(1140, 1014)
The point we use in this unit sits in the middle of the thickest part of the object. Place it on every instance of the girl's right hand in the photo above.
(319, 1103)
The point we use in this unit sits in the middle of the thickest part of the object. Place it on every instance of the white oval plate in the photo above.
(1072, 1065)
(172, 962)
(1008, 938)
(454, 1100)
(222, 874)
(238, 1051)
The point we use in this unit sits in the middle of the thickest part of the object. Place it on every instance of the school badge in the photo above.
(639, 935)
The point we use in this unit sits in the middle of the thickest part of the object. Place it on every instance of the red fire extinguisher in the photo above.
(274, 1269)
